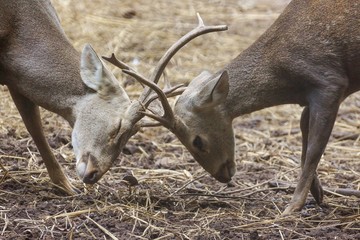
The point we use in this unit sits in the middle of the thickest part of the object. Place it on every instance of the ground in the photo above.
(175, 197)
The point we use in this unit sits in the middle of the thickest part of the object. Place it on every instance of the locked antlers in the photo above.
(146, 97)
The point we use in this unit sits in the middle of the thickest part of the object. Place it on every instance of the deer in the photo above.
(41, 68)
(308, 56)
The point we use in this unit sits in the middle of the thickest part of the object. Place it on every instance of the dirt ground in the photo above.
(176, 198)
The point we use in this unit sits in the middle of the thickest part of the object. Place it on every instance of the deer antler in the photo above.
(199, 30)
(162, 97)
(146, 98)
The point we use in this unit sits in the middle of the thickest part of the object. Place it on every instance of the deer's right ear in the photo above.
(95, 75)
(213, 92)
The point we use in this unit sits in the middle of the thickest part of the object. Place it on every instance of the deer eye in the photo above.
(115, 132)
(198, 143)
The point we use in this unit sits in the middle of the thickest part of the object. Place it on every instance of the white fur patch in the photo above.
(81, 168)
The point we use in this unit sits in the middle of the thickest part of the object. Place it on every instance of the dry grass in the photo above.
(175, 198)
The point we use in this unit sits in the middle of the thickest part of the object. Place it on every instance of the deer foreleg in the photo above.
(322, 112)
(31, 117)
(315, 189)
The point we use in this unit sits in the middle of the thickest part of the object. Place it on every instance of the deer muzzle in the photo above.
(87, 169)
(226, 172)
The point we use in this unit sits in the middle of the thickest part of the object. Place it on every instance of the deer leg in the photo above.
(315, 189)
(31, 116)
(323, 109)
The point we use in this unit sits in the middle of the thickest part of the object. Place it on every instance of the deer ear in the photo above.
(199, 80)
(213, 92)
(95, 75)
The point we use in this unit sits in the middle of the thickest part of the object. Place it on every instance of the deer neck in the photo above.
(257, 83)
(53, 85)
(293, 56)
(68, 90)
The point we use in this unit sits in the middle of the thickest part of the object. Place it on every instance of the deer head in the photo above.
(203, 127)
(199, 123)
(126, 114)
(95, 139)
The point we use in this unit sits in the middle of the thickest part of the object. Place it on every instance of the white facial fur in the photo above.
(99, 116)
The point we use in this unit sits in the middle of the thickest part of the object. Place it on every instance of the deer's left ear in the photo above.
(199, 80)
(213, 92)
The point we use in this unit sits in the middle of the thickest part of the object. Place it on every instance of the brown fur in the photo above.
(41, 68)
(309, 56)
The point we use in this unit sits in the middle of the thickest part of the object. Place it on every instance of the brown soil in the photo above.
(175, 197)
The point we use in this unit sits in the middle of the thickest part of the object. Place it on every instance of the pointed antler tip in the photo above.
(109, 59)
(201, 22)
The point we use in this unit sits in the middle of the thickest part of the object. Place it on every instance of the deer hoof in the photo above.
(317, 190)
(291, 208)
(67, 188)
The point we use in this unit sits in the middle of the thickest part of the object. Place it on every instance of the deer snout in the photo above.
(226, 171)
(87, 169)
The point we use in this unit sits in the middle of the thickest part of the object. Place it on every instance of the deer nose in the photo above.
(226, 172)
(87, 169)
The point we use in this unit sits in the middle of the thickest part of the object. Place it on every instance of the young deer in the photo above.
(309, 56)
(41, 68)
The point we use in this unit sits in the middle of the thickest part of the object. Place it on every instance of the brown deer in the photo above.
(41, 68)
(309, 56)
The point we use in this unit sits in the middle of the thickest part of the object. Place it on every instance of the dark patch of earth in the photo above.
(29, 203)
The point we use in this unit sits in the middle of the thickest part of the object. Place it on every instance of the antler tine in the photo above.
(150, 124)
(163, 121)
(113, 60)
(199, 30)
(167, 84)
(171, 92)
(117, 63)
(201, 22)
(175, 93)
